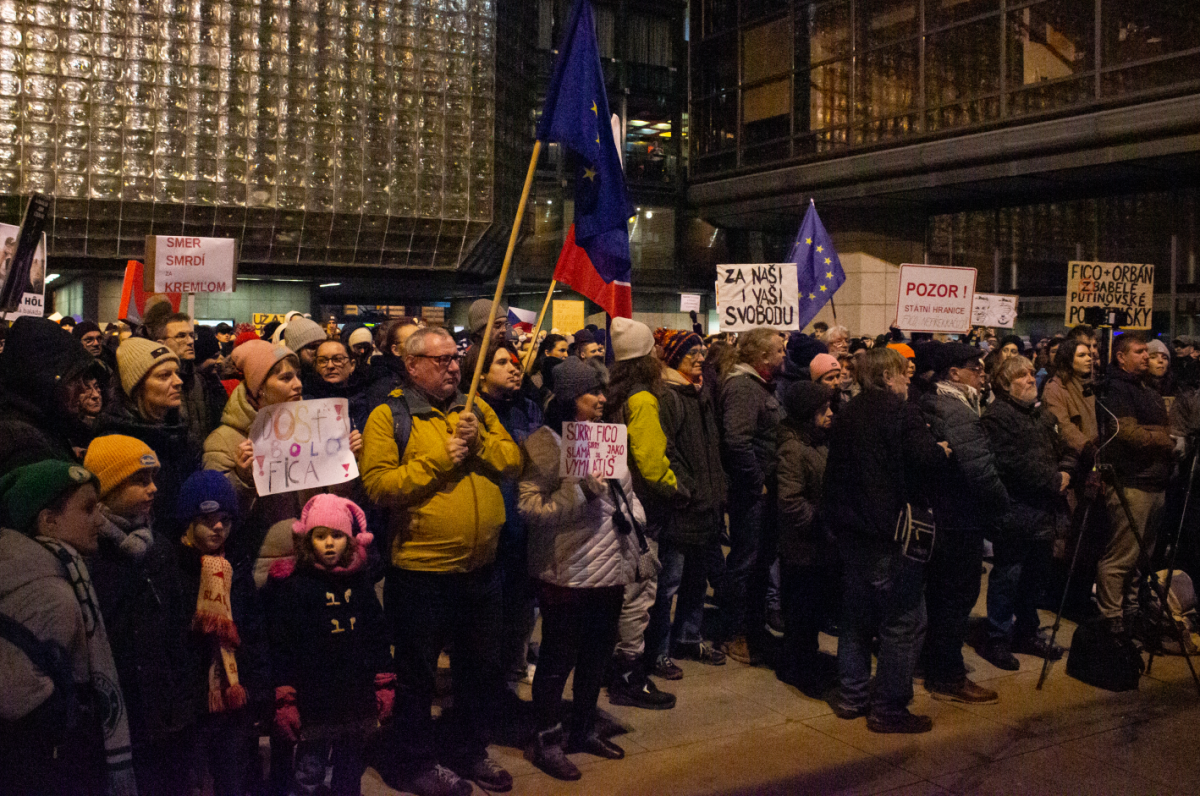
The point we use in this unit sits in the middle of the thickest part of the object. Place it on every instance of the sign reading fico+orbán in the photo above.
(1110, 286)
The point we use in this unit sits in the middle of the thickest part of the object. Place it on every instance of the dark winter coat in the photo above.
(971, 494)
(387, 373)
(689, 422)
(353, 389)
(177, 450)
(147, 616)
(801, 472)
(328, 641)
(203, 400)
(1141, 452)
(38, 359)
(750, 415)
(1031, 457)
(881, 456)
(253, 656)
(520, 417)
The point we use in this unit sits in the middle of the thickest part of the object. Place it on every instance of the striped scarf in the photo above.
(106, 689)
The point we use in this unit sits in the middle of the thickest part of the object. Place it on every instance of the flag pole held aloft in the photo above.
(818, 269)
(537, 327)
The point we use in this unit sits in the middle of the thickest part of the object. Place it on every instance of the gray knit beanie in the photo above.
(301, 331)
(575, 377)
(477, 315)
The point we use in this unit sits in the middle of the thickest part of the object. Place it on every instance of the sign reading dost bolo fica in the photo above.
(183, 264)
(935, 298)
(597, 449)
(301, 445)
(749, 296)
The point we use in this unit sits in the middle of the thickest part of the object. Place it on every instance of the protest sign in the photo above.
(182, 264)
(750, 296)
(23, 260)
(301, 445)
(994, 309)
(599, 449)
(567, 316)
(689, 302)
(1110, 286)
(261, 319)
(935, 298)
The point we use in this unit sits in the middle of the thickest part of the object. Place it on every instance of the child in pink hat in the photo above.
(329, 650)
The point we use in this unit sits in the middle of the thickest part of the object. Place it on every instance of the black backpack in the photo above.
(1100, 659)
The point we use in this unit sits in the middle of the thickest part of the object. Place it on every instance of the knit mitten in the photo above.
(287, 715)
(385, 695)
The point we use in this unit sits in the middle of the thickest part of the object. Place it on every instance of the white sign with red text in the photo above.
(184, 264)
(935, 298)
(598, 449)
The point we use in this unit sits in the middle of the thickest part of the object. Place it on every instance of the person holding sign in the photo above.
(272, 376)
(439, 469)
(582, 562)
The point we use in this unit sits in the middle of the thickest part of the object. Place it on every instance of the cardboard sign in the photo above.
(994, 309)
(598, 449)
(567, 316)
(23, 260)
(1117, 286)
(750, 296)
(261, 319)
(183, 264)
(689, 302)
(935, 298)
(302, 445)
(33, 297)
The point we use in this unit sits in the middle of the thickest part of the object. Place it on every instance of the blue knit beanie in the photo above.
(203, 492)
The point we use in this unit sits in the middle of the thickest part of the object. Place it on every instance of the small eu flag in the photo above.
(576, 115)
(818, 270)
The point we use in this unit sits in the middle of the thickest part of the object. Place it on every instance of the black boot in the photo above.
(546, 752)
(631, 686)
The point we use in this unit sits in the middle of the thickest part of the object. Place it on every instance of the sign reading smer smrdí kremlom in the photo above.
(301, 445)
(935, 298)
(183, 264)
(1118, 286)
(749, 296)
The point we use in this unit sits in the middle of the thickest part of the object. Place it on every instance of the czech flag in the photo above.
(520, 320)
(575, 269)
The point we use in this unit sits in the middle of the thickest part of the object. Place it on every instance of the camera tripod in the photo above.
(1094, 493)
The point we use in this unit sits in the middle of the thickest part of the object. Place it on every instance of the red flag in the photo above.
(575, 269)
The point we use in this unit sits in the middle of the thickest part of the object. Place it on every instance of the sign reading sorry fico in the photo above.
(935, 298)
(183, 264)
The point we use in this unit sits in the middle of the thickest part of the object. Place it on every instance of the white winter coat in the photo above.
(573, 541)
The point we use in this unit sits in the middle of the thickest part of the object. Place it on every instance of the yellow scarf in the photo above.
(214, 618)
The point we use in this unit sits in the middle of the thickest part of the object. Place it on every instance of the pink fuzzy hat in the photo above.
(336, 513)
(822, 364)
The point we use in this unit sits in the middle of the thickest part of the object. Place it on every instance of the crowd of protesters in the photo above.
(158, 617)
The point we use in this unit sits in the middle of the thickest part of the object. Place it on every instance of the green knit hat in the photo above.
(27, 490)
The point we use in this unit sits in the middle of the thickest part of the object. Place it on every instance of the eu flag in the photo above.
(576, 115)
(818, 270)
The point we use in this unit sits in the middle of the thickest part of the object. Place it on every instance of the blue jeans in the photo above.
(883, 593)
(1019, 573)
(684, 577)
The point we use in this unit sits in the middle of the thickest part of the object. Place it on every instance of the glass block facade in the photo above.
(776, 81)
(317, 131)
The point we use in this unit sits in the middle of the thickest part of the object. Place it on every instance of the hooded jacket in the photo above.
(750, 415)
(445, 517)
(38, 359)
(573, 541)
(264, 532)
(387, 373)
(203, 399)
(689, 422)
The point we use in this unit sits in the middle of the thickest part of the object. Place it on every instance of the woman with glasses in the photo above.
(338, 376)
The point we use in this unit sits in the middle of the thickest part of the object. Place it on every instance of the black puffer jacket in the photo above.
(1141, 452)
(881, 456)
(352, 389)
(1031, 458)
(178, 456)
(38, 359)
(689, 422)
(750, 417)
(802, 458)
(387, 373)
(971, 494)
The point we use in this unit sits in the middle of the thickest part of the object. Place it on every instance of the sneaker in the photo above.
(1038, 647)
(486, 773)
(546, 752)
(595, 745)
(740, 651)
(964, 691)
(438, 781)
(998, 654)
(842, 711)
(905, 722)
(700, 651)
(634, 689)
(665, 668)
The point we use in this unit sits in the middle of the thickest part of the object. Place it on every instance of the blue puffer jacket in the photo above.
(971, 495)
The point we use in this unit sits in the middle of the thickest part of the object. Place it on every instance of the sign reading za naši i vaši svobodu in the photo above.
(764, 294)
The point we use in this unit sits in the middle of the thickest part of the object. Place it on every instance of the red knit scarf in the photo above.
(214, 619)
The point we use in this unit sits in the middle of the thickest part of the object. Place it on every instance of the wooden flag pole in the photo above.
(533, 346)
(512, 245)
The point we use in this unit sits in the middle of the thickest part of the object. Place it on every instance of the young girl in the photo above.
(333, 673)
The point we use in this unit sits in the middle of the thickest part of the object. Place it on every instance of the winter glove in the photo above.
(385, 695)
(287, 715)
